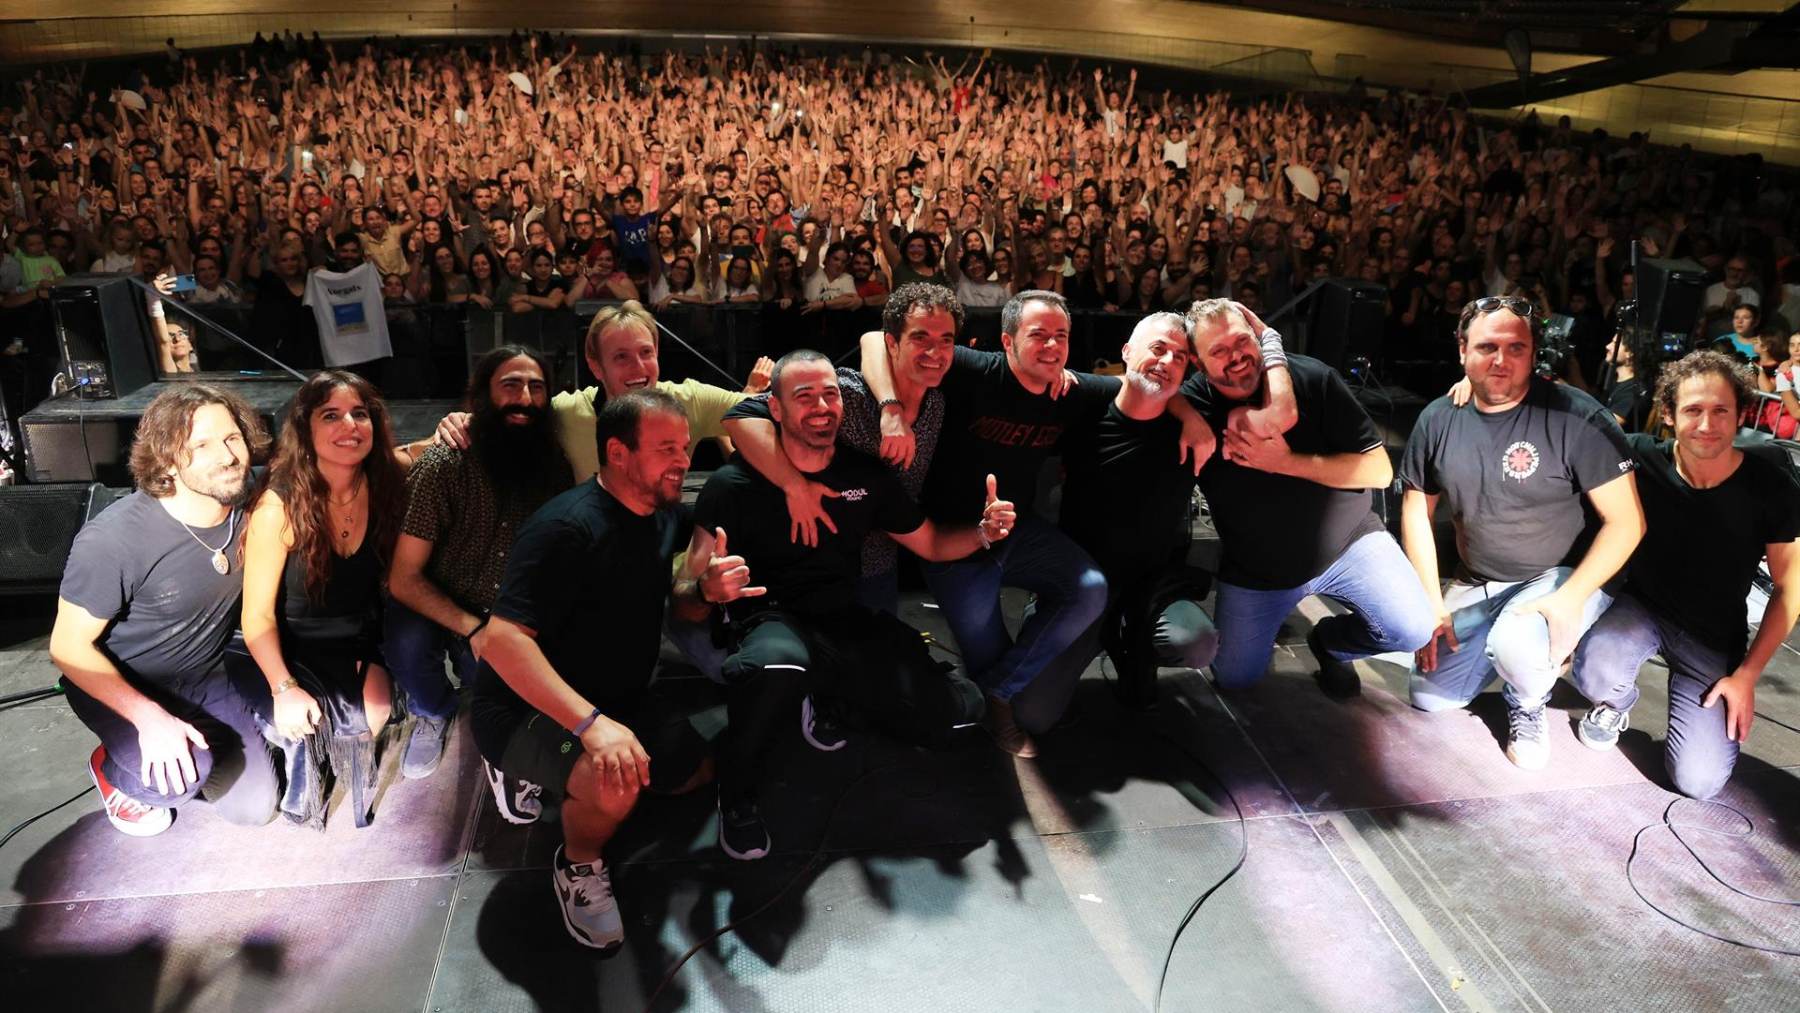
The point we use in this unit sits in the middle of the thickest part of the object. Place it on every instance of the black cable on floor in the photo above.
(737, 923)
(1675, 829)
(19, 699)
(14, 832)
(1242, 856)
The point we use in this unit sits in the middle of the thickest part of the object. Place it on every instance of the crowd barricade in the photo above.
(435, 345)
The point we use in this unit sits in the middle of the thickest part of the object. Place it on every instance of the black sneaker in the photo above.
(1336, 678)
(742, 833)
(819, 730)
(1600, 727)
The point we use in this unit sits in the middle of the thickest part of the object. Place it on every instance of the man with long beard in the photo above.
(149, 599)
(464, 508)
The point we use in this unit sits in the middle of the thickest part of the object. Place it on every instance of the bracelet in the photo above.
(586, 723)
(283, 686)
(482, 622)
(1272, 353)
(882, 404)
(981, 533)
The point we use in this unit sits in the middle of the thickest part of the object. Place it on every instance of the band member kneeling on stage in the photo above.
(1126, 501)
(463, 510)
(806, 644)
(149, 600)
(1293, 514)
(563, 694)
(1711, 513)
(1515, 465)
(316, 548)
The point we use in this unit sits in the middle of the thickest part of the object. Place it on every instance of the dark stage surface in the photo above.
(1396, 862)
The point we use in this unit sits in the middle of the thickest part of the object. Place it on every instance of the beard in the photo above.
(228, 486)
(519, 459)
(1145, 384)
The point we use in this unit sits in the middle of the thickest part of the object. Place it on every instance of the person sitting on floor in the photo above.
(318, 543)
(464, 507)
(807, 642)
(592, 570)
(149, 599)
(1711, 513)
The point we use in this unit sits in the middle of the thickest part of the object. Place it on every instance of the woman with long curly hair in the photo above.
(320, 536)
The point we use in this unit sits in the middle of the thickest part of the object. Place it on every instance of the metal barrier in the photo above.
(435, 345)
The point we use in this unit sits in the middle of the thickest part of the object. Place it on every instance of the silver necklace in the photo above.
(221, 564)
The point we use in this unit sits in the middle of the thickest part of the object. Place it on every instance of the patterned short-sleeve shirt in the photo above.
(451, 503)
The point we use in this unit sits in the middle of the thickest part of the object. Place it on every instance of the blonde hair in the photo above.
(628, 314)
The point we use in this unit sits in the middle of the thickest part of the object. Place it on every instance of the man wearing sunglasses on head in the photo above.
(1515, 464)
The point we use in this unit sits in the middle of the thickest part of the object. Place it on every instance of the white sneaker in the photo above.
(516, 799)
(584, 892)
(1527, 737)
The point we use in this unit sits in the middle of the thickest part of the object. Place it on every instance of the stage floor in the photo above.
(1396, 862)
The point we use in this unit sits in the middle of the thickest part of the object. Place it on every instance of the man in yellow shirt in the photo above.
(621, 349)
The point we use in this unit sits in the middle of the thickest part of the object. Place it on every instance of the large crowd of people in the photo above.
(527, 175)
(248, 642)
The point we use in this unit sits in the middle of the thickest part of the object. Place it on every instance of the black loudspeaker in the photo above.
(37, 525)
(1670, 296)
(1347, 319)
(103, 334)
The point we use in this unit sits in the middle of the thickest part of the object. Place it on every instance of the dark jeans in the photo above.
(1149, 622)
(1699, 756)
(868, 666)
(415, 648)
(234, 773)
(1038, 557)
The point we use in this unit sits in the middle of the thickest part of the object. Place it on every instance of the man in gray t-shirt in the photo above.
(148, 602)
(1521, 466)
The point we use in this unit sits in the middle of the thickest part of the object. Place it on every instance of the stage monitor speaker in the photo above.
(1346, 323)
(37, 526)
(1670, 295)
(103, 332)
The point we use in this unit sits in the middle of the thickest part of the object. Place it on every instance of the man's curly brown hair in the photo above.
(160, 446)
(1702, 363)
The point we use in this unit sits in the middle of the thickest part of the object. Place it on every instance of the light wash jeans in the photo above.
(1496, 636)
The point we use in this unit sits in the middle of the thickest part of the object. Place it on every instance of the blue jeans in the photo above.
(1699, 755)
(1372, 578)
(1038, 557)
(1496, 636)
(1145, 631)
(415, 648)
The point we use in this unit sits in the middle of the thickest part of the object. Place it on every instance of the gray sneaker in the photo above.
(584, 892)
(1527, 737)
(425, 748)
(1600, 727)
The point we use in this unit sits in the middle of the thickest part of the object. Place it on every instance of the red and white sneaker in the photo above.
(128, 815)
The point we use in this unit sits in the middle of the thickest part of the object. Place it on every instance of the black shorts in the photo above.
(542, 752)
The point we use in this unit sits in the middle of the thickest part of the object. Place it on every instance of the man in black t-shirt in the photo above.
(1629, 397)
(806, 640)
(563, 696)
(1153, 615)
(1293, 514)
(1522, 465)
(149, 599)
(1002, 417)
(1712, 512)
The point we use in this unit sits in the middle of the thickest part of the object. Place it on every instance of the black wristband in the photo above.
(479, 624)
(882, 404)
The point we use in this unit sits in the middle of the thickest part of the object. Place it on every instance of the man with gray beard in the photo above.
(1153, 616)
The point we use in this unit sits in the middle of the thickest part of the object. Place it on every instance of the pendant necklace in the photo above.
(221, 563)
